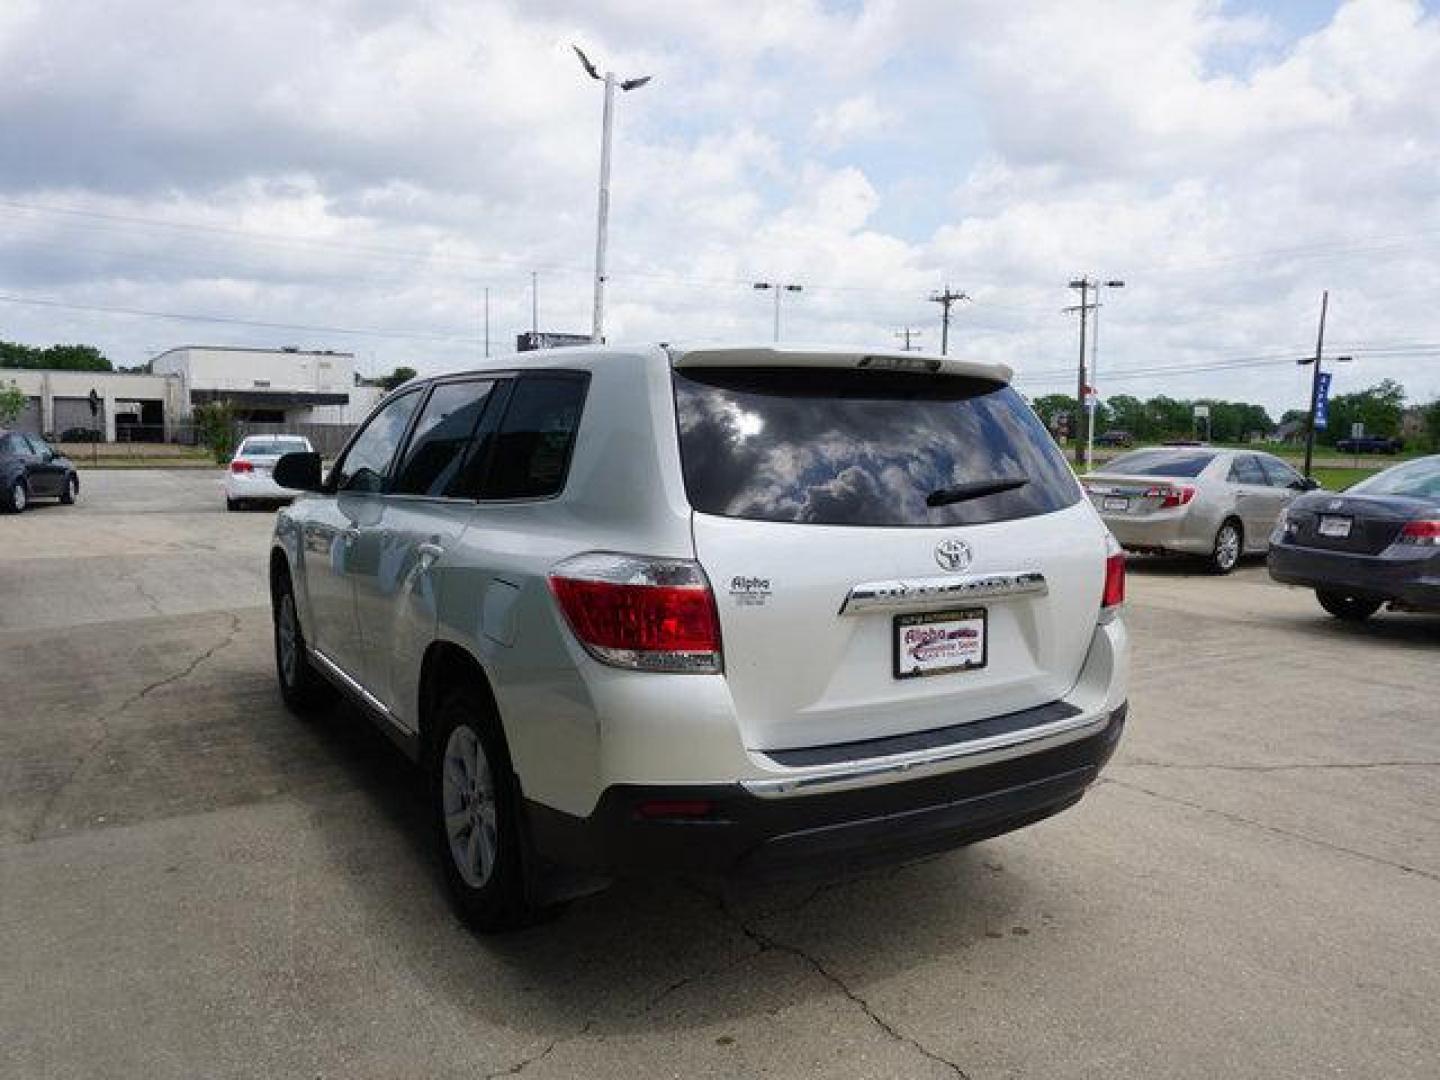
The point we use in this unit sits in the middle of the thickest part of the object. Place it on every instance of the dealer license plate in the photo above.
(1338, 527)
(938, 642)
(1115, 502)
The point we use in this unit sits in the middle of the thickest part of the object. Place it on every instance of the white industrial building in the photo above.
(281, 387)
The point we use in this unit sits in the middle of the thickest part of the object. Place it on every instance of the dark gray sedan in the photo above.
(30, 468)
(1377, 543)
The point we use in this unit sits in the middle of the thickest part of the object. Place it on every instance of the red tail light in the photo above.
(1421, 532)
(1113, 596)
(1171, 497)
(634, 612)
(241, 467)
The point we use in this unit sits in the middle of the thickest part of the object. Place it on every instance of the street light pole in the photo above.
(778, 288)
(1095, 372)
(602, 215)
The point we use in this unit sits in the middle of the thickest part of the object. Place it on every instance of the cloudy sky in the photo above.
(355, 173)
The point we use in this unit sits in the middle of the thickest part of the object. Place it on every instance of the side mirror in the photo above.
(1306, 483)
(299, 472)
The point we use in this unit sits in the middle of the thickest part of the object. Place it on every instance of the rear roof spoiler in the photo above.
(832, 356)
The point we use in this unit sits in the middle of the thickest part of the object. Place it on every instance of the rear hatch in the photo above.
(869, 582)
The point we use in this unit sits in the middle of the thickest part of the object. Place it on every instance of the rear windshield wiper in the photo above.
(976, 489)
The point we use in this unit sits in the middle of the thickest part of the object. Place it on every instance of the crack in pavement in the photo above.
(767, 943)
(132, 578)
(1276, 830)
(1183, 766)
(524, 1063)
(103, 723)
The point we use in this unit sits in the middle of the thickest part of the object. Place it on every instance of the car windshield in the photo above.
(1161, 463)
(1418, 479)
(839, 447)
(276, 446)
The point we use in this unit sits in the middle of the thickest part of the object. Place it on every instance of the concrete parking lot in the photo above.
(195, 883)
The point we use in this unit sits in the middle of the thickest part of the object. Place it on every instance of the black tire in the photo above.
(1229, 546)
(1349, 608)
(487, 897)
(16, 496)
(304, 689)
(71, 491)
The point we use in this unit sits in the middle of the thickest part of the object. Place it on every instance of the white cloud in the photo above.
(851, 120)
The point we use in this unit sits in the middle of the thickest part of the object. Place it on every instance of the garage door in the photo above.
(29, 420)
(74, 412)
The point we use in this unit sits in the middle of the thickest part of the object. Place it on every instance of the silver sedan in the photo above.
(1217, 504)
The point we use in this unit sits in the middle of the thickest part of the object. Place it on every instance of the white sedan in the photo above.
(249, 480)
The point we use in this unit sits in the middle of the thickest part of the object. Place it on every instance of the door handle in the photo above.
(429, 552)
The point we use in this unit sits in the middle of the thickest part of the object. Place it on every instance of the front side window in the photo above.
(13, 444)
(532, 448)
(844, 447)
(443, 436)
(367, 462)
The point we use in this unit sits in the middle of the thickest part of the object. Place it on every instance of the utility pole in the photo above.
(487, 322)
(1315, 382)
(778, 289)
(1095, 371)
(602, 223)
(945, 299)
(1081, 426)
(906, 334)
(534, 304)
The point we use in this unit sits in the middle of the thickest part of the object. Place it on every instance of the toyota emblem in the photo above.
(953, 554)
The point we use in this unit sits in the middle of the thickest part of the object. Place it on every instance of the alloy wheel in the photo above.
(467, 794)
(19, 497)
(1227, 547)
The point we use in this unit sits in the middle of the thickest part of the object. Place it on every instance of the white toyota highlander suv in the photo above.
(740, 611)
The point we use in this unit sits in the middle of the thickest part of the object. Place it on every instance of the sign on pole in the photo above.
(1357, 430)
(1322, 402)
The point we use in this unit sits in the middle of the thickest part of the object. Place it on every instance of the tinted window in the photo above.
(442, 436)
(13, 444)
(840, 447)
(1277, 473)
(532, 449)
(274, 446)
(1420, 479)
(38, 446)
(368, 460)
(1161, 463)
(1246, 470)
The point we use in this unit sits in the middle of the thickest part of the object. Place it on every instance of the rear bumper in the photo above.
(1410, 576)
(249, 486)
(1174, 531)
(746, 835)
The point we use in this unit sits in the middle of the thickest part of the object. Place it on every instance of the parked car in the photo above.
(1115, 438)
(1370, 444)
(747, 611)
(1377, 543)
(248, 480)
(81, 435)
(1217, 504)
(30, 468)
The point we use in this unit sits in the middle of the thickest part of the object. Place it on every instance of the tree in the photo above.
(1432, 424)
(1127, 413)
(399, 377)
(1380, 408)
(12, 403)
(60, 357)
(215, 425)
(1050, 407)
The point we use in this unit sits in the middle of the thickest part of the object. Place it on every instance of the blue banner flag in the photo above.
(1322, 403)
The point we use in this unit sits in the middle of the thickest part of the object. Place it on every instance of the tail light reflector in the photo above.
(1421, 532)
(1171, 497)
(1113, 596)
(241, 467)
(635, 612)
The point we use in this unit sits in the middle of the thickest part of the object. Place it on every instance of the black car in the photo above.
(1377, 543)
(1115, 438)
(30, 468)
(1370, 444)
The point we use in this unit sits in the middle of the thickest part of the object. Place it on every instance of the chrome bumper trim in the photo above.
(928, 593)
(887, 770)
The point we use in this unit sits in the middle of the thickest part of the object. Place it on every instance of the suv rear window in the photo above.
(822, 446)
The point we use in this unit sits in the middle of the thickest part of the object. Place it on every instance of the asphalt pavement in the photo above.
(195, 883)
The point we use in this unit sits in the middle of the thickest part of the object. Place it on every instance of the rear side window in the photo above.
(532, 447)
(1246, 470)
(1277, 473)
(839, 447)
(442, 437)
(1161, 463)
